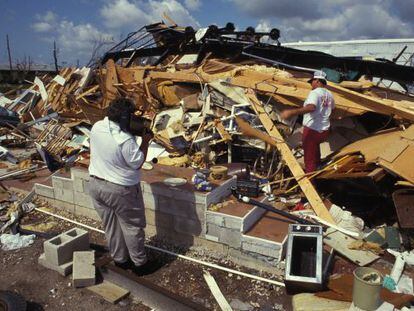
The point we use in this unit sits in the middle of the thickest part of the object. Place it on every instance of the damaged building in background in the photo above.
(223, 166)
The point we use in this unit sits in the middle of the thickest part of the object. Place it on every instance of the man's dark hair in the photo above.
(322, 81)
(118, 107)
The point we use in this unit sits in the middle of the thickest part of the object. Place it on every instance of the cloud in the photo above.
(192, 4)
(174, 9)
(333, 20)
(131, 15)
(45, 22)
(73, 40)
(42, 27)
(121, 13)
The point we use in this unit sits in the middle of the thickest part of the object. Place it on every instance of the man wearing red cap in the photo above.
(316, 112)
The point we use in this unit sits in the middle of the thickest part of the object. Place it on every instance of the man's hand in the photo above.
(286, 114)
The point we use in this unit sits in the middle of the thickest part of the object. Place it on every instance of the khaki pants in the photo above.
(121, 209)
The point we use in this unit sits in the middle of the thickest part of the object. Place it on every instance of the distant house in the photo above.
(366, 49)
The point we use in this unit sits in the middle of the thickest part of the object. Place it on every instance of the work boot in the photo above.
(124, 265)
(147, 268)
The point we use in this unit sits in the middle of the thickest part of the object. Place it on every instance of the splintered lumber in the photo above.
(111, 79)
(339, 242)
(297, 171)
(215, 290)
(249, 131)
(388, 107)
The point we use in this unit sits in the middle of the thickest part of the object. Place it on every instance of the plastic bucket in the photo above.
(367, 288)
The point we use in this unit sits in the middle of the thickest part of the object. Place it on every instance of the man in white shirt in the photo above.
(316, 112)
(115, 161)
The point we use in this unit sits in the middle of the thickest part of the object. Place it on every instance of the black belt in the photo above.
(99, 178)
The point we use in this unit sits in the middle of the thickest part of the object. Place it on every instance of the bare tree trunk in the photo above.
(55, 56)
(8, 51)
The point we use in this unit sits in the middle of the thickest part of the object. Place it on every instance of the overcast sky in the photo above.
(76, 25)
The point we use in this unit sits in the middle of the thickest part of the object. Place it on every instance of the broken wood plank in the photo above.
(109, 291)
(110, 91)
(310, 302)
(313, 197)
(215, 290)
(339, 242)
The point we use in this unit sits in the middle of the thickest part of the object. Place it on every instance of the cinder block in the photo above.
(86, 186)
(232, 222)
(64, 269)
(181, 208)
(261, 246)
(230, 237)
(59, 250)
(79, 173)
(84, 272)
(159, 219)
(215, 218)
(82, 199)
(63, 188)
(64, 195)
(78, 185)
(45, 191)
(150, 200)
(213, 230)
(188, 226)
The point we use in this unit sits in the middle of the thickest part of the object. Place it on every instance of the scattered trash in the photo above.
(15, 241)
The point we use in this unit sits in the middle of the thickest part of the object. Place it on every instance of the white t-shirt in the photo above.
(115, 155)
(318, 120)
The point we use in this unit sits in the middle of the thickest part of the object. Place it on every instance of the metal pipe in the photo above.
(273, 210)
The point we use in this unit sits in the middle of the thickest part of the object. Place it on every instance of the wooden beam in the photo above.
(311, 194)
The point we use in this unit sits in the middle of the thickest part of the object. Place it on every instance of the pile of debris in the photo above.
(214, 97)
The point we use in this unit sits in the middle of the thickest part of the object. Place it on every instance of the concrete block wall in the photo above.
(172, 213)
(70, 194)
(230, 229)
(180, 210)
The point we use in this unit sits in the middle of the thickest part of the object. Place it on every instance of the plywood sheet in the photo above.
(402, 165)
(392, 151)
(109, 291)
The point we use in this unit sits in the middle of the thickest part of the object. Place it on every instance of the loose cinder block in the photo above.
(45, 191)
(59, 250)
(83, 271)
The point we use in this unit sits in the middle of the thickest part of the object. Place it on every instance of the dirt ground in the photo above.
(47, 290)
